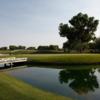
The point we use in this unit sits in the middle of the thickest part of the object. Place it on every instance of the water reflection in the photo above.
(81, 81)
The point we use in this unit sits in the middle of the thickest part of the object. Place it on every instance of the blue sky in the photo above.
(35, 22)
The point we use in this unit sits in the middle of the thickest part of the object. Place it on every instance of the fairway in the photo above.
(62, 58)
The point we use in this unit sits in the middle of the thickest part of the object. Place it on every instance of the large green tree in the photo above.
(79, 31)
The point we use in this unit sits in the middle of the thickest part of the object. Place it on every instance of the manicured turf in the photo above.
(63, 58)
(12, 89)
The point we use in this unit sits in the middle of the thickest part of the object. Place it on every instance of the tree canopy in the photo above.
(14, 47)
(79, 31)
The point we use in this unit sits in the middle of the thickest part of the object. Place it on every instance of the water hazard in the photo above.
(80, 84)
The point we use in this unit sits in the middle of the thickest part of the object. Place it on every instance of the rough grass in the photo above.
(12, 89)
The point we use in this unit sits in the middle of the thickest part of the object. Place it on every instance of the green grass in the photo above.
(5, 51)
(17, 51)
(63, 58)
(12, 89)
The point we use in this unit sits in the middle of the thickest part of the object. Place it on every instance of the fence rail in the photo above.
(12, 60)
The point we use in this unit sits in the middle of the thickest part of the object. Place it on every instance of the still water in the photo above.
(80, 84)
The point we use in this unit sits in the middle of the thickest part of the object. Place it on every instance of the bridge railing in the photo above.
(12, 60)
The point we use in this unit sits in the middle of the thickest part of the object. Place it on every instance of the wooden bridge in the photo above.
(12, 60)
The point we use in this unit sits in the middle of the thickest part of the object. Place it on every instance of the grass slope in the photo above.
(12, 89)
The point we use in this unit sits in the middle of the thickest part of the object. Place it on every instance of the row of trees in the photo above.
(40, 48)
(80, 33)
(90, 47)
(14, 47)
(51, 47)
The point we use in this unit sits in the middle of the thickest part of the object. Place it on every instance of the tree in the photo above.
(20, 47)
(31, 48)
(43, 48)
(80, 31)
(97, 45)
(12, 47)
(50, 47)
(54, 47)
(92, 47)
(3, 48)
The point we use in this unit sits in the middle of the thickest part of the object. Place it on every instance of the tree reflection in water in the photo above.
(81, 81)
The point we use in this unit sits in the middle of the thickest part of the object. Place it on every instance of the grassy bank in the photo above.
(12, 89)
(63, 58)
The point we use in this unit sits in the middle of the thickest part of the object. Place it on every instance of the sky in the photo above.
(35, 22)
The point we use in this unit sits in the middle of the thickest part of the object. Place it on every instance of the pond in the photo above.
(80, 84)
